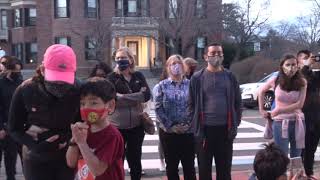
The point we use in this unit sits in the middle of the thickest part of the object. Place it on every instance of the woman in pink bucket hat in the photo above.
(42, 110)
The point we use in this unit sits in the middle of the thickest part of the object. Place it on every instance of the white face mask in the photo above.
(290, 71)
(215, 61)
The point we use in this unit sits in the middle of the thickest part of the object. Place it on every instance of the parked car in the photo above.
(250, 91)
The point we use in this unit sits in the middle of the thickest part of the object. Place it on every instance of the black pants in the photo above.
(311, 142)
(10, 149)
(178, 147)
(55, 169)
(133, 139)
(215, 144)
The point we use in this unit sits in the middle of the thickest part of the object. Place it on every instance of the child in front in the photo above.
(96, 141)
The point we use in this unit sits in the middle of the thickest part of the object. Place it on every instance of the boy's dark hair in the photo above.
(99, 87)
(270, 162)
(304, 51)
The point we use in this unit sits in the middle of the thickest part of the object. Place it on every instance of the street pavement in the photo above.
(248, 141)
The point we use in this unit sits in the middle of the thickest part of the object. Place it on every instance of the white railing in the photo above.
(135, 21)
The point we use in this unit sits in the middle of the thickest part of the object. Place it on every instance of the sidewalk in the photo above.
(236, 174)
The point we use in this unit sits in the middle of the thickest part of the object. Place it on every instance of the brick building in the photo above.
(153, 29)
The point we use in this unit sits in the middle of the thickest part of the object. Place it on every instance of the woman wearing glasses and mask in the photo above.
(132, 90)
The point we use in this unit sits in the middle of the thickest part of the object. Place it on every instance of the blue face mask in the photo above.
(123, 64)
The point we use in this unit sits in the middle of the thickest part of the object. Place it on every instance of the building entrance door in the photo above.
(134, 47)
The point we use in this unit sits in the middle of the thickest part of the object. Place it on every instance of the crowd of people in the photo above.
(66, 128)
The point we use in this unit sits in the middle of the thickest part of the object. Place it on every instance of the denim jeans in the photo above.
(283, 143)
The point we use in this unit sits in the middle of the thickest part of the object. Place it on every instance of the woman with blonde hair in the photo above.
(171, 100)
(132, 90)
(190, 66)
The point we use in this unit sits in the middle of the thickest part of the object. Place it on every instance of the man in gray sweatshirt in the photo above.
(215, 109)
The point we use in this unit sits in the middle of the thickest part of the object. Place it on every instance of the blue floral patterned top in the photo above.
(171, 101)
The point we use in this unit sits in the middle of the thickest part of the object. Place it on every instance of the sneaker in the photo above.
(162, 166)
(142, 172)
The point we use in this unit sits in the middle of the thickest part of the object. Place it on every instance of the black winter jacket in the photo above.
(312, 102)
(128, 106)
(7, 88)
(33, 105)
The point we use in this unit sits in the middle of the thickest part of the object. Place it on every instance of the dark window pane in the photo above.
(4, 24)
(91, 49)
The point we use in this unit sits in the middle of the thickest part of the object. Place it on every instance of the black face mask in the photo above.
(123, 64)
(57, 90)
(15, 76)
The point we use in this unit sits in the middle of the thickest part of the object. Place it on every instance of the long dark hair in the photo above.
(103, 66)
(38, 77)
(295, 83)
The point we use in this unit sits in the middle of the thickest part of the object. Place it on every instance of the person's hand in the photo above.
(2, 134)
(177, 129)
(298, 176)
(143, 89)
(52, 139)
(80, 132)
(275, 112)
(34, 130)
(119, 95)
(264, 114)
(183, 127)
(50, 144)
(309, 61)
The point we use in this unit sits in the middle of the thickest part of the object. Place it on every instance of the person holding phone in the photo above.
(41, 112)
(310, 109)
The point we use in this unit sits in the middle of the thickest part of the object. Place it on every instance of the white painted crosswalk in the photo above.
(249, 140)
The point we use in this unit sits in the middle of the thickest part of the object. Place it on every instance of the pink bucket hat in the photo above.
(60, 63)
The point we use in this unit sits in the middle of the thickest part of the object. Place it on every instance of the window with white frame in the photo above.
(173, 8)
(17, 17)
(65, 40)
(62, 9)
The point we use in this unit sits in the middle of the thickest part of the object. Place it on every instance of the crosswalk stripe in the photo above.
(236, 147)
(239, 135)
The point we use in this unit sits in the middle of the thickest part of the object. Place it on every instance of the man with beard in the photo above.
(10, 79)
(215, 109)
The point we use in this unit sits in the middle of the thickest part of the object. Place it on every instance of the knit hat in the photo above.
(60, 64)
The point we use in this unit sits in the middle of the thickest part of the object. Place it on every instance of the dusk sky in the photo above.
(283, 9)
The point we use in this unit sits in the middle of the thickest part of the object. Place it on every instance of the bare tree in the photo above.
(308, 31)
(96, 40)
(241, 24)
(183, 21)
